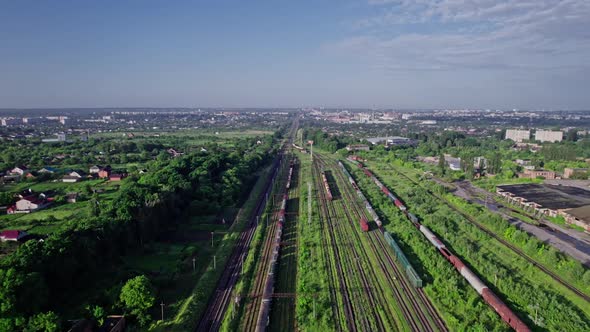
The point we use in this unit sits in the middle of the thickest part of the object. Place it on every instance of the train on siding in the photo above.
(368, 206)
(326, 186)
(480, 287)
(264, 311)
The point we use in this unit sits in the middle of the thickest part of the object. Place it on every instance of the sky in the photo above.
(525, 54)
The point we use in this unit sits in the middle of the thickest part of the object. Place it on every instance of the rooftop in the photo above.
(555, 197)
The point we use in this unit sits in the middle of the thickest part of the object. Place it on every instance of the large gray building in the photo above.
(518, 135)
(548, 136)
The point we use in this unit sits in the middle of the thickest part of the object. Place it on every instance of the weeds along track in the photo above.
(416, 308)
(213, 316)
(512, 247)
(282, 317)
(344, 320)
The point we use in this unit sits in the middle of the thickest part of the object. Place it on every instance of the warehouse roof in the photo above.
(581, 213)
(549, 196)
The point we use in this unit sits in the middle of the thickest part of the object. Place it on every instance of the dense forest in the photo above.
(42, 277)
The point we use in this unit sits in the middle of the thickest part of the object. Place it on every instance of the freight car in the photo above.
(410, 272)
(500, 307)
(326, 186)
(264, 310)
(361, 196)
(364, 225)
(492, 299)
(283, 209)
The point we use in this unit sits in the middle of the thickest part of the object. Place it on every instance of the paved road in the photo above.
(574, 243)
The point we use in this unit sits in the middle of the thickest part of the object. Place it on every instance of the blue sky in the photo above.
(275, 53)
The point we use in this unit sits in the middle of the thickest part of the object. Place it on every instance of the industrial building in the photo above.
(572, 203)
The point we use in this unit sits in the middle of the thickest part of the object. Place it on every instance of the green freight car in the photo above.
(410, 272)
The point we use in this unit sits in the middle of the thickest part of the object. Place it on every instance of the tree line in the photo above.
(41, 276)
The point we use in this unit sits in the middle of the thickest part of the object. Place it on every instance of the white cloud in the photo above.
(477, 34)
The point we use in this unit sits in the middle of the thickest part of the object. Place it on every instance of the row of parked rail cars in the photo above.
(264, 312)
(488, 295)
(363, 222)
(410, 272)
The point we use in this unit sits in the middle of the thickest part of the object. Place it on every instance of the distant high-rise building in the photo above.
(549, 136)
(63, 120)
(61, 137)
(518, 135)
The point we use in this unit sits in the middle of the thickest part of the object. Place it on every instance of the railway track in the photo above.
(283, 308)
(218, 303)
(416, 307)
(341, 280)
(504, 242)
(351, 262)
(212, 317)
(251, 316)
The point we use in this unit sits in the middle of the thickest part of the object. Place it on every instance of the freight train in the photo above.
(264, 312)
(372, 213)
(489, 297)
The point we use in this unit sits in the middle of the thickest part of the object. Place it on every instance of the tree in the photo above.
(572, 135)
(137, 296)
(495, 164)
(97, 312)
(441, 164)
(6, 198)
(46, 322)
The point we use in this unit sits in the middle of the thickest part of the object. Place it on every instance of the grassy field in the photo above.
(48, 220)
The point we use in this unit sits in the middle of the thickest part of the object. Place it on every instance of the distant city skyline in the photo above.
(405, 54)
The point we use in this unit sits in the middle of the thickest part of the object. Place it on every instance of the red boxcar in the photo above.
(364, 225)
(385, 190)
(367, 172)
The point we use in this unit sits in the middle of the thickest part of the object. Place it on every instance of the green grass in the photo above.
(491, 255)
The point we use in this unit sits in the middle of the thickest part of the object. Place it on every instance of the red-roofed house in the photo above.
(12, 235)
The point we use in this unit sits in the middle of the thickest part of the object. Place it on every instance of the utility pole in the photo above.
(162, 307)
(309, 203)
(194, 266)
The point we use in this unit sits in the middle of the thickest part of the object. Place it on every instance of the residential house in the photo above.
(19, 170)
(74, 176)
(29, 204)
(104, 173)
(95, 169)
(117, 177)
(48, 170)
(12, 235)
